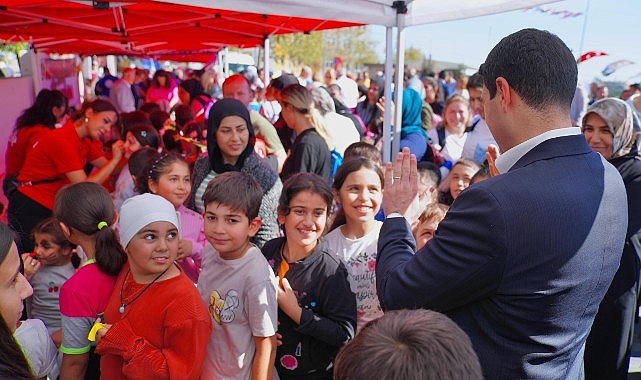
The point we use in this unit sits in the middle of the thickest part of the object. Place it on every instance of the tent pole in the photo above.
(398, 86)
(387, 137)
(266, 60)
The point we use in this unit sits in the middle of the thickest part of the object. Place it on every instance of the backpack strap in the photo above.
(471, 127)
(441, 136)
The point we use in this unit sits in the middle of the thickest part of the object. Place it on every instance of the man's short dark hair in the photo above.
(409, 345)
(537, 65)
(475, 81)
(245, 197)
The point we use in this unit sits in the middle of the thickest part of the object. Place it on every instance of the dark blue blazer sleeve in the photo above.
(464, 261)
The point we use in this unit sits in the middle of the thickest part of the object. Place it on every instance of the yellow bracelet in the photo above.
(92, 334)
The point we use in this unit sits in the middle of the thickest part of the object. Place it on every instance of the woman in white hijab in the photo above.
(608, 128)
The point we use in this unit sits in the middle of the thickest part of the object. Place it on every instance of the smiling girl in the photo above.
(157, 325)
(170, 178)
(58, 158)
(317, 309)
(358, 189)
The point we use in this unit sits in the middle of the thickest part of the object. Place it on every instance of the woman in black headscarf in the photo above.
(230, 147)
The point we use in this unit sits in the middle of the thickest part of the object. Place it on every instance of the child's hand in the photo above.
(118, 150)
(380, 104)
(492, 153)
(101, 330)
(184, 249)
(56, 336)
(287, 301)
(279, 338)
(31, 265)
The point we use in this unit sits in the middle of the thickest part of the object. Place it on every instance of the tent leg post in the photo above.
(387, 137)
(266, 60)
(398, 86)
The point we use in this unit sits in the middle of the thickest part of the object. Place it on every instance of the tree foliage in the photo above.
(414, 55)
(318, 49)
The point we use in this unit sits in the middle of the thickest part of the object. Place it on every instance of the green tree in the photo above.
(318, 49)
(414, 55)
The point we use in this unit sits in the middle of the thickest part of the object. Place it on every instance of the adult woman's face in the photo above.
(598, 135)
(13, 288)
(456, 115)
(232, 137)
(99, 123)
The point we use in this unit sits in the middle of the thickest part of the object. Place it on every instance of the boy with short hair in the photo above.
(236, 283)
(410, 345)
(428, 222)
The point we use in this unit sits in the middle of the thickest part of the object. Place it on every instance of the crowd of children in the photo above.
(284, 271)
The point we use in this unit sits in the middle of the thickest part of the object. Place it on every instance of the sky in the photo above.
(611, 26)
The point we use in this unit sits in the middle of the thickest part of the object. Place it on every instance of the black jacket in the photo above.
(328, 320)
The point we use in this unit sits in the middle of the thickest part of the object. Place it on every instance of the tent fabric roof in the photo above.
(142, 27)
(376, 12)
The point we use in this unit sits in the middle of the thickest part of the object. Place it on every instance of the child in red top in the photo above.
(157, 325)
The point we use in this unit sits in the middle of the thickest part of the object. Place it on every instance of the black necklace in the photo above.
(122, 287)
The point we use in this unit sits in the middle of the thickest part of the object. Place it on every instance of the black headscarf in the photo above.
(221, 109)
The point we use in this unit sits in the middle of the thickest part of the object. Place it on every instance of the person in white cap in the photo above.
(156, 324)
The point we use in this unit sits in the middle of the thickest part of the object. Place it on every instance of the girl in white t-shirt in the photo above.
(358, 189)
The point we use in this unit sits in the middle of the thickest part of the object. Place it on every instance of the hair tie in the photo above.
(102, 225)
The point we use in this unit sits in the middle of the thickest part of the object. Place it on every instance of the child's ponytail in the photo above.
(87, 208)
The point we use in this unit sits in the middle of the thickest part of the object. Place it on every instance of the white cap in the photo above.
(141, 210)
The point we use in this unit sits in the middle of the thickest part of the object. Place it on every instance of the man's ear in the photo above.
(504, 92)
(254, 226)
(65, 230)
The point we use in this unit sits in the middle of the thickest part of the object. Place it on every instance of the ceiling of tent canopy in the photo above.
(141, 27)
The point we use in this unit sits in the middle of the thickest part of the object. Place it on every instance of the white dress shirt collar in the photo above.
(507, 159)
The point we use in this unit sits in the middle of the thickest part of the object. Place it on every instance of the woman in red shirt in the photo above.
(58, 158)
(49, 108)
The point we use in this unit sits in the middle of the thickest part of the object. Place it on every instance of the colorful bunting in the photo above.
(590, 54)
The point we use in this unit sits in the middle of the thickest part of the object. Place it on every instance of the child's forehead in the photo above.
(221, 208)
(158, 225)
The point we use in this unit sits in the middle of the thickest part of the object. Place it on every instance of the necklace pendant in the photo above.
(122, 309)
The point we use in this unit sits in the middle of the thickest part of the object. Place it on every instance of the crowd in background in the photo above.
(269, 200)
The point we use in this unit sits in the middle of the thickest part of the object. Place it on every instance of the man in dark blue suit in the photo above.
(522, 260)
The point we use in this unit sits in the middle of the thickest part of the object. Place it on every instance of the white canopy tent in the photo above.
(395, 15)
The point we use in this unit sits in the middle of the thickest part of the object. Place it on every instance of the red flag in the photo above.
(590, 54)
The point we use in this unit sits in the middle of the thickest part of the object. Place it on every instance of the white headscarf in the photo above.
(618, 116)
(141, 210)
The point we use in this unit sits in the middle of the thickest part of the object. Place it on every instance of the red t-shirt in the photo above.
(19, 144)
(56, 153)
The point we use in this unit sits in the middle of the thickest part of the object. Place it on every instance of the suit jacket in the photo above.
(520, 262)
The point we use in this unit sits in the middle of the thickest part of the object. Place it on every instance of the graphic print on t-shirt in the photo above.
(222, 310)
